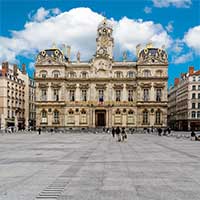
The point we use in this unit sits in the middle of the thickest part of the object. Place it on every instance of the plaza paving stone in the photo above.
(96, 167)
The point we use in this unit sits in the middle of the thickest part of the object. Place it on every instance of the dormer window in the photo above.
(43, 74)
(72, 74)
(146, 73)
(118, 74)
(56, 74)
(84, 74)
(130, 74)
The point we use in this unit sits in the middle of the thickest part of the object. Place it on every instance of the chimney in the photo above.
(191, 70)
(23, 68)
(15, 70)
(176, 81)
(4, 68)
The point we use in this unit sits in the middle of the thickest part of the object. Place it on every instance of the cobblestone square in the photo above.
(85, 166)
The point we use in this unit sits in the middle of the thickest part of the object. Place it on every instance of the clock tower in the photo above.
(105, 41)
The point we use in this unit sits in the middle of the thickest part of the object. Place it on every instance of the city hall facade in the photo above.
(101, 92)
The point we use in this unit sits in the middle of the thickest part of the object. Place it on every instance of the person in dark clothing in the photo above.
(113, 132)
(118, 133)
(39, 131)
(159, 131)
(124, 136)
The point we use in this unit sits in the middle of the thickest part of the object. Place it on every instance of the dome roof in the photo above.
(54, 52)
(105, 24)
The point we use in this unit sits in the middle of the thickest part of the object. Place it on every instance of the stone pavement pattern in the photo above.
(96, 167)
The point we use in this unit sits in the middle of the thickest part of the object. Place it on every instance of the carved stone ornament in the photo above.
(71, 86)
(55, 85)
(101, 86)
(145, 85)
(43, 85)
(131, 86)
(159, 85)
(118, 86)
(84, 86)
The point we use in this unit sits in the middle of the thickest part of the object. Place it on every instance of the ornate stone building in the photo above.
(101, 92)
(14, 97)
(184, 101)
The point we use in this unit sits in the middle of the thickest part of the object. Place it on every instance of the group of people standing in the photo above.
(120, 134)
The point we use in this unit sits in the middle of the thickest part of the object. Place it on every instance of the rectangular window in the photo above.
(198, 87)
(194, 87)
(72, 95)
(8, 113)
(158, 117)
(84, 95)
(199, 96)
(198, 114)
(118, 95)
(44, 95)
(198, 105)
(194, 78)
(56, 94)
(158, 94)
(146, 94)
(193, 95)
(101, 95)
(145, 117)
(193, 114)
(193, 105)
(130, 95)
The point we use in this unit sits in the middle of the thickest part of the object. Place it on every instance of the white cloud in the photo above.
(147, 10)
(183, 58)
(77, 27)
(192, 38)
(43, 14)
(176, 3)
(128, 33)
(177, 46)
(169, 26)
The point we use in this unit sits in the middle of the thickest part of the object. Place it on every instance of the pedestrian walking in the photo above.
(124, 136)
(113, 132)
(118, 134)
(39, 131)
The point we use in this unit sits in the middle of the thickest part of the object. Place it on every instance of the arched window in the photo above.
(44, 116)
(56, 116)
(71, 112)
(130, 112)
(198, 114)
(118, 112)
(83, 112)
(43, 74)
(145, 117)
(146, 73)
(56, 74)
(158, 117)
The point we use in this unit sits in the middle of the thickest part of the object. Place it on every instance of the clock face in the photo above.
(101, 51)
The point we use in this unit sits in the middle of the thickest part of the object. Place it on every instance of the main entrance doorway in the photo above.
(100, 118)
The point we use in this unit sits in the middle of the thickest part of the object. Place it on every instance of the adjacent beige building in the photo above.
(184, 101)
(14, 97)
(102, 91)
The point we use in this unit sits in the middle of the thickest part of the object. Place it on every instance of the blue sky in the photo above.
(28, 26)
